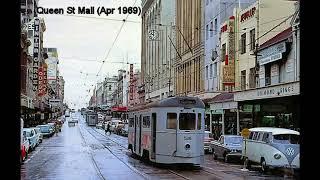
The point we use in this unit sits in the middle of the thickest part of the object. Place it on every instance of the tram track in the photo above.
(143, 166)
(216, 176)
(92, 159)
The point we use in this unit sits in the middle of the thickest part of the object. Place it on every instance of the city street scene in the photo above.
(160, 89)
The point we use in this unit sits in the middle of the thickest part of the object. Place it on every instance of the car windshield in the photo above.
(286, 139)
(233, 140)
(28, 134)
(44, 128)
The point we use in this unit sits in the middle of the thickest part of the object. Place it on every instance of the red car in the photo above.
(24, 147)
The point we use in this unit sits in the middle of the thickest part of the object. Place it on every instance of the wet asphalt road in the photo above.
(86, 153)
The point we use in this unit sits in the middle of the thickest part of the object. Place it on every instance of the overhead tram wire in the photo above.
(124, 20)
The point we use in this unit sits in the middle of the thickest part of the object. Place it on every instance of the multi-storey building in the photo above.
(258, 60)
(110, 86)
(157, 52)
(189, 61)
(216, 13)
(28, 10)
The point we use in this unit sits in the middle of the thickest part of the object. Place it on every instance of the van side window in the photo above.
(254, 135)
(265, 137)
(258, 136)
(251, 135)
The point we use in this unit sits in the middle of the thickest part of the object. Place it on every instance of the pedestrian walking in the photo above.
(108, 129)
(56, 130)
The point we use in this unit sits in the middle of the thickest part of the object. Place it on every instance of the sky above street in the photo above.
(83, 43)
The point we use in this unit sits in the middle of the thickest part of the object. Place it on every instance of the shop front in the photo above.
(273, 106)
(224, 112)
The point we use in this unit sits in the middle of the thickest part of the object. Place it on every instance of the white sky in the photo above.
(80, 40)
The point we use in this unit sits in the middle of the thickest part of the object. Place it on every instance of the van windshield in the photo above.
(286, 139)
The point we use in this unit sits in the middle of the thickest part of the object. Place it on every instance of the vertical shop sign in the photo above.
(131, 82)
(36, 49)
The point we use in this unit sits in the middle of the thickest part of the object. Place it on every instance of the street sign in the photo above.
(245, 133)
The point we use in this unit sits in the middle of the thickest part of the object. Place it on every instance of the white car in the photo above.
(31, 136)
(39, 134)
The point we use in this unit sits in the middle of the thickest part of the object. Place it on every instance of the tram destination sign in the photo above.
(187, 101)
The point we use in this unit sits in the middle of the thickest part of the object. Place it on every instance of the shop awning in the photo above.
(223, 101)
(223, 97)
(277, 38)
(119, 109)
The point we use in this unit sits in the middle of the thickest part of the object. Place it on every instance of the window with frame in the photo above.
(211, 29)
(207, 32)
(251, 135)
(146, 122)
(215, 26)
(206, 72)
(187, 121)
(252, 39)
(199, 121)
(171, 120)
(131, 122)
(215, 69)
(243, 43)
(243, 80)
(265, 137)
(223, 52)
(210, 70)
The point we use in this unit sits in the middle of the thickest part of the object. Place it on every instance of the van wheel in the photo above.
(225, 158)
(264, 166)
(247, 163)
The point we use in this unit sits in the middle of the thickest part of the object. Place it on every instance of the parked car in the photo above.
(39, 134)
(124, 130)
(99, 125)
(46, 130)
(24, 147)
(227, 146)
(272, 147)
(31, 136)
(207, 141)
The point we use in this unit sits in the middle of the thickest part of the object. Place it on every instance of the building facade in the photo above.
(157, 52)
(189, 61)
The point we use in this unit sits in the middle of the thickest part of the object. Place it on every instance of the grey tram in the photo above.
(168, 131)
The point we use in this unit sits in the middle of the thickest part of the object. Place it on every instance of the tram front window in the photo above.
(187, 121)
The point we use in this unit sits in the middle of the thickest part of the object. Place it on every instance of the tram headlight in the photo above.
(277, 156)
(187, 146)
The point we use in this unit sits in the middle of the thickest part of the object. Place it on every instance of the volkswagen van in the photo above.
(272, 147)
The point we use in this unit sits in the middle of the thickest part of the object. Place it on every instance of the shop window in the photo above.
(171, 120)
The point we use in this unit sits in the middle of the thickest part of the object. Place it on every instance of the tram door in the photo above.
(140, 129)
(154, 134)
(135, 132)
